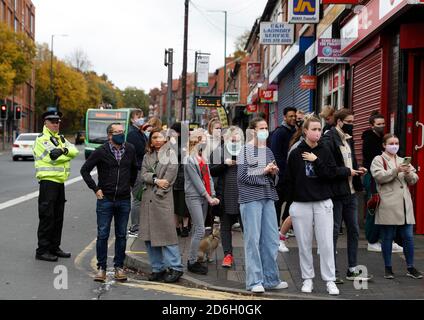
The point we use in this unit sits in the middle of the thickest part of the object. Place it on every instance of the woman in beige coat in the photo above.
(159, 171)
(393, 176)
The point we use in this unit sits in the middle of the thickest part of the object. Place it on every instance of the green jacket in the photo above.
(47, 169)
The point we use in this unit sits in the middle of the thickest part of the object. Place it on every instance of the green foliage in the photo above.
(136, 98)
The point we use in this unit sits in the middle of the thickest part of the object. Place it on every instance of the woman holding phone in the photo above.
(393, 176)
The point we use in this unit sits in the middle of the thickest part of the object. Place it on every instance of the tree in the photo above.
(136, 98)
(240, 44)
(17, 52)
(79, 60)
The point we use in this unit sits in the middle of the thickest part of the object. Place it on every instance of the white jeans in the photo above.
(305, 217)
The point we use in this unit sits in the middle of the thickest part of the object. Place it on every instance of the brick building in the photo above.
(20, 16)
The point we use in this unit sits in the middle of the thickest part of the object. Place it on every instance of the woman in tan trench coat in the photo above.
(159, 171)
(396, 211)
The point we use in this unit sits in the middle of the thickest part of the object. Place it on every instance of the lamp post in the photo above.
(51, 67)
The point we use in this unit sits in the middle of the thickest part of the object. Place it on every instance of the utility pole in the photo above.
(184, 76)
(169, 61)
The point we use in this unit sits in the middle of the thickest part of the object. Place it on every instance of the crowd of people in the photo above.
(302, 176)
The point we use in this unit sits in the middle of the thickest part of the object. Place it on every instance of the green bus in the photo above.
(96, 123)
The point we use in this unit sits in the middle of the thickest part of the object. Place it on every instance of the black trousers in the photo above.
(51, 206)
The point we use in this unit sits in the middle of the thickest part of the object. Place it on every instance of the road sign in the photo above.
(209, 101)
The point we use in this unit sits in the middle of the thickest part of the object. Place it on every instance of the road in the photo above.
(23, 277)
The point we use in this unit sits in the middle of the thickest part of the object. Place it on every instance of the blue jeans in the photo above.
(347, 209)
(407, 233)
(261, 241)
(120, 211)
(164, 257)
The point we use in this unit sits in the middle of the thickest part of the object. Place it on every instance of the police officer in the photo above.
(52, 155)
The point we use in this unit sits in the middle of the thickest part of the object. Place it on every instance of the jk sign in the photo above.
(303, 11)
(276, 33)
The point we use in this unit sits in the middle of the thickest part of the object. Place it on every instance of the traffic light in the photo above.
(3, 112)
(18, 113)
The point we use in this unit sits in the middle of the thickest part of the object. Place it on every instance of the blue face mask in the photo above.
(263, 135)
(118, 139)
(147, 133)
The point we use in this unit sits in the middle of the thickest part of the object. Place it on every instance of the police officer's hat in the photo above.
(50, 115)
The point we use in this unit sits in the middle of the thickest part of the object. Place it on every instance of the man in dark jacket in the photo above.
(280, 140)
(340, 142)
(117, 171)
(138, 139)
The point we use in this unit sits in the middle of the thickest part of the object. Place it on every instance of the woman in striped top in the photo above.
(257, 177)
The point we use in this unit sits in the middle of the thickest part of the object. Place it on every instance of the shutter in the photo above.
(366, 94)
(285, 94)
(323, 68)
(301, 96)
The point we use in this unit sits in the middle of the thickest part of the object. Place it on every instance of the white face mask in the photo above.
(263, 135)
(233, 148)
(392, 148)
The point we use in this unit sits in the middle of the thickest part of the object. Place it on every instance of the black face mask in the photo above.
(348, 128)
(299, 123)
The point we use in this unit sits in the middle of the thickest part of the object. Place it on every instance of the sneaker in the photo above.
(414, 273)
(197, 268)
(258, 289)
(396, 248)
(173, 276)
(308, 286)
(120, 274)
(184, 232)
(281, 285)
(355, 275)
(236, 226)
(132, 234)
(283, 247)
(332, 289)
(374, 247)
(388, 273)
(290, 233)
(339, 280)
(100, 275)
(157, 276)
(228, 261)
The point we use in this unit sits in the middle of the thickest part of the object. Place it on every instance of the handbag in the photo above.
(374, 202)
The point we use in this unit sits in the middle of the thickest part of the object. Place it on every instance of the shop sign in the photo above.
(252, 108)
(254, 74)
(308, 82)
(276, 33)
(329, 51)
(303, 11)
(268, 96)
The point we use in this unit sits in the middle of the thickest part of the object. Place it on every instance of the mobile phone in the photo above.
(406, 161)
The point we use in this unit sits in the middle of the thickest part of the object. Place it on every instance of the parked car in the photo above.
(22, 147)
(79, 137)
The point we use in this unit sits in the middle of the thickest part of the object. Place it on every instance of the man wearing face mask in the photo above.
(138, 139)
(135, 117)
(340, 142)
(117, 172)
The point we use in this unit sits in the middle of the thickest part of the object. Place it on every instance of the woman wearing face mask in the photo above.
(310, 168)
(199, 193)
(159, 171)
(257, 177)
(396, 211)
(223, 167)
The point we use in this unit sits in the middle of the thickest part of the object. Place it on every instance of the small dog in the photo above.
(208, 246)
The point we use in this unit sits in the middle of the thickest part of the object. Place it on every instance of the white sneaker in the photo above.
(374, 247)
(258, 289)
(283, 247)
(396, 248)
(308, 286)
(281, 285)
(290, 233)
(332, 289)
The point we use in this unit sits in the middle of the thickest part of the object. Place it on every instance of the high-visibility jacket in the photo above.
(47, 169)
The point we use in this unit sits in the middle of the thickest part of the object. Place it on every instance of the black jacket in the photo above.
(280, 141)
(372, 146)
(139, 141)
(310, 181)
(115, 179)
(340, 186)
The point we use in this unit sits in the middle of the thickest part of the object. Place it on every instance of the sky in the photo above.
(126, 39)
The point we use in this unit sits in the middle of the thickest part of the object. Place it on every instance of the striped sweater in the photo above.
(253, 185)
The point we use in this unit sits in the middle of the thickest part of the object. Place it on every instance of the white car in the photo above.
(22, 147)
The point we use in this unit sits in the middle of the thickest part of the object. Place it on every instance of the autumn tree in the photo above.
(17, 52)
(240, 44)
(136, 98)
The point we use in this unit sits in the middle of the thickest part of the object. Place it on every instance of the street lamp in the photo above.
(225, 48)
(51, 67)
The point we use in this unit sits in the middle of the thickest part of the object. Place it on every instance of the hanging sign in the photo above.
(276, 33)
(303, 11)
(202, 71)
(329, 51)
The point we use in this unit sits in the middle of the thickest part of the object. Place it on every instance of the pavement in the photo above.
(233, 280)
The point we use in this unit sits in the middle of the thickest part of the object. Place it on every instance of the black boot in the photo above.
(47, 256)
(172, 276)
(157, 276)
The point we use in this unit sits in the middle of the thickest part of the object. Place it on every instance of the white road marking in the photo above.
(33, 195)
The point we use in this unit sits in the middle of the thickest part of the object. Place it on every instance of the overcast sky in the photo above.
(126, 39)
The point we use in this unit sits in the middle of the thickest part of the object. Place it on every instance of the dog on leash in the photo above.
(208, 246)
